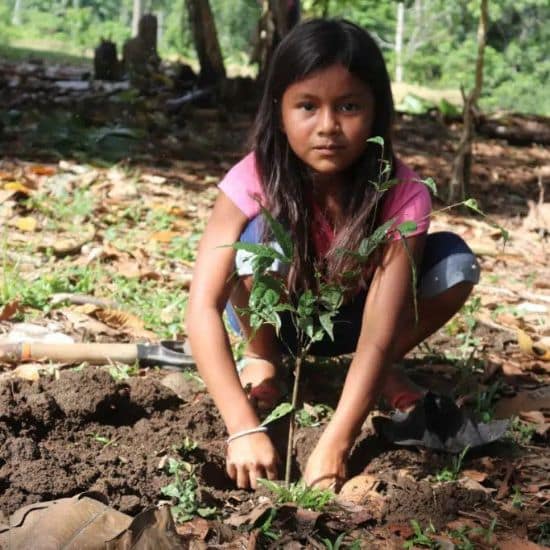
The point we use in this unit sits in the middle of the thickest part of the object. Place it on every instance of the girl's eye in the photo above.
(306, 106)
(349, 107)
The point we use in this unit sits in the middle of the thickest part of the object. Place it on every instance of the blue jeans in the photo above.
(447, 261)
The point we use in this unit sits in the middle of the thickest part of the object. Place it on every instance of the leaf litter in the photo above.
(126, 235)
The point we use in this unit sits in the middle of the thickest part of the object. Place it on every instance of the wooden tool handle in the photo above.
(97, 354)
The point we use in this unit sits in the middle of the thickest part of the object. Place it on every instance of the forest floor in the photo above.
(104, 193)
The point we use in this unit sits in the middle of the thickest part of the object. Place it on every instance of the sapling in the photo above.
(311, 313)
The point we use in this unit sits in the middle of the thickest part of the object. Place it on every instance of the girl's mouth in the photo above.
(329, 148)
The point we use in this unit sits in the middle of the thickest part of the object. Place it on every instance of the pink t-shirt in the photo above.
(407, 201)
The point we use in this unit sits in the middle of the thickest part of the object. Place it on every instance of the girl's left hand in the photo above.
(326, 467)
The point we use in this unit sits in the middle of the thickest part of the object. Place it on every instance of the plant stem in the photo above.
(290, 443)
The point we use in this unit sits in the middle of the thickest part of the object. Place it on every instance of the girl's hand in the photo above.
(251, 457)
(326, 467)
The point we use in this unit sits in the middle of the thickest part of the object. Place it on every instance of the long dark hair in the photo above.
(313, 45)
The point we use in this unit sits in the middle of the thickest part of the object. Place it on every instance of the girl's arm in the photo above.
(253, 455)
(388, 309)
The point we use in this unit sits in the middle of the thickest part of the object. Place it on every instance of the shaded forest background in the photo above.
(438, 38)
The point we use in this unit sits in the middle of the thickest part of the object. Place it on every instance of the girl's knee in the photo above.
(448, 263)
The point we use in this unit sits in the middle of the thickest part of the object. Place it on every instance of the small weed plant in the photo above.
(184, 492)
(311, 416)
(543, 536)
(486, 401)
(520, 431)
(186, 447)
(468, 538)
(452, 472)
(517, 497)
(120, 372)
(300, 494)
(338, 543)
(265, 525)
(421, 537)
(105, 441)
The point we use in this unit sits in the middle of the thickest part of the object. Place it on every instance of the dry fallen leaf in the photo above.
(9, 310)
(119, 319)
(164, 236)
(475, 475)
(128, 268)
(26, 224)
(537, 349)
(28, 371)
(360, 489)
(528, 400)
(17, 187)
(516, 543)
(197, 528)
(41, 170)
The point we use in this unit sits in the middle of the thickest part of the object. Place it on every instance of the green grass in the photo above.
(300, 494)
(34, 51)
(37, 292)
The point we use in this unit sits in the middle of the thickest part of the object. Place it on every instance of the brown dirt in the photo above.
(49, 429)
(49, 433)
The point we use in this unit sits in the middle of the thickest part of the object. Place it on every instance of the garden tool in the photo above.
(167, 354)
(436, 422)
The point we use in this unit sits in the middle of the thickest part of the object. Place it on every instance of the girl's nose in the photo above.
(328, 123)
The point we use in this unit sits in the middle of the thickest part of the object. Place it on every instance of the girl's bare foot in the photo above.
(259, 376)
(400, 391)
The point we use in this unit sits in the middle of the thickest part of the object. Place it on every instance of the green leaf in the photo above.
(331, 296)
(504, 234)
(376, 139)
(388, 184)
(278, 412)
(448, 109)
(280, 234)
(326, 322)
(430, 183)
(206, 512)
(369, 245)
(261, 264)
(263, 250)
(170, 491)
(472, 204)
(270, 297)
(268, 484)
(407, 227)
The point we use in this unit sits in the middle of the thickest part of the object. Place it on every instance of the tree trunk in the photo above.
(399, 42)
(278, 17)
(16, 14)
(460, 179)
(137, 12)
(206, 41)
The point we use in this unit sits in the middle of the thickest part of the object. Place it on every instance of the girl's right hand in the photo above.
(251, 457)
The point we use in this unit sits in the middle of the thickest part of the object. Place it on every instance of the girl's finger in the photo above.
(231, 470)
(243, 479)
(271, 471)
(254, 474)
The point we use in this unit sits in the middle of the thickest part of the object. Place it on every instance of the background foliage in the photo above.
(439, 37)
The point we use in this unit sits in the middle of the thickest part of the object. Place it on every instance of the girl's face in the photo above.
(327, 118)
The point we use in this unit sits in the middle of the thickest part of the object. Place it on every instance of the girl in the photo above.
(327, 92)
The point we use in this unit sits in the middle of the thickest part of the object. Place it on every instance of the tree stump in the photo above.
(106, 63)
(140, 55)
